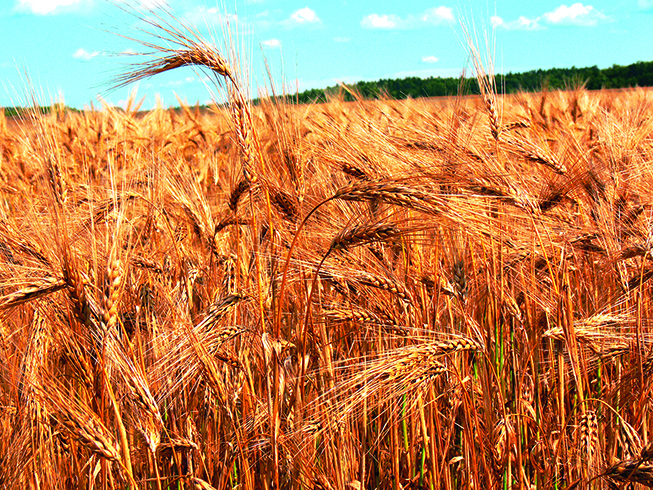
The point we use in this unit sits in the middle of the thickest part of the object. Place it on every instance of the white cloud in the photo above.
(430, 17)
(376, 21)
(576, 14)
(521, 24)
(303, 16)
(271, 43)
(496, 21)
(645, 4)
(436, 15)
(42, 7)
(430, 59)
(82, 54)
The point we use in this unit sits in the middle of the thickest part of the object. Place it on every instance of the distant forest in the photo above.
(638, 74)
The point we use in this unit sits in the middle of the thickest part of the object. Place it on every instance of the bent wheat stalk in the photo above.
(32, 292)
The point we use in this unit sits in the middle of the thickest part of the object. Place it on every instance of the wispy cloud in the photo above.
(211, 16)
(271, 43)
(430, 59)
(521, 24)
(302, 17)
(180, 82)
(262, 21)
(430, 17)
(43, 7)
(645, 4)
(575, 15)
(341, 39)
(436, 15)
(82, 54)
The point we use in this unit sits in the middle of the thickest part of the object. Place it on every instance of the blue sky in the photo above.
(63, 48)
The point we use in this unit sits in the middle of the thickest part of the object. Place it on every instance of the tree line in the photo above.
(638, 74)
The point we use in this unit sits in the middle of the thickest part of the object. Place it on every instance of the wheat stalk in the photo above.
(362, 234)
(391, 193)
(32, 292)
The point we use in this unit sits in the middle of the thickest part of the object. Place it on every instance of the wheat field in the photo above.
(419, 294)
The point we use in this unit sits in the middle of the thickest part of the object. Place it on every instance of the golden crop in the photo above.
(448, 293)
